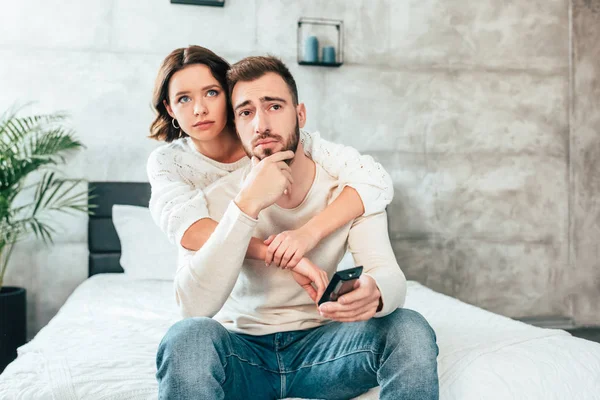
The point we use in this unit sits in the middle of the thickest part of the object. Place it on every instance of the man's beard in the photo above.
(292, 144)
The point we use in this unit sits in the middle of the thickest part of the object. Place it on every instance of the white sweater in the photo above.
(178, 174)
(248, 297)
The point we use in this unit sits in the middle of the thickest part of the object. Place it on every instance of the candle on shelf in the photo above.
(311, 49)
(329, 55)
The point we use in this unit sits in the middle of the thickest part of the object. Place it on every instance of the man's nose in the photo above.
(261, 122)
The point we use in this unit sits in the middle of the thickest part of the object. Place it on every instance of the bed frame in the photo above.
(103, 242)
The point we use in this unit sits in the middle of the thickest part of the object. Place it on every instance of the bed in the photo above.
(102, 343)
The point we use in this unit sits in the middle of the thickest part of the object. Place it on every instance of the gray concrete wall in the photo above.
(467, 103)
(585, 164)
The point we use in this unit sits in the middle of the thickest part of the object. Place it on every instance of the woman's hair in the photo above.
(161, 128)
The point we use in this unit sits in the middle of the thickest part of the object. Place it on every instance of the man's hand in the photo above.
(287, 248)
(360, 304)
(266, 183)
(306, 273)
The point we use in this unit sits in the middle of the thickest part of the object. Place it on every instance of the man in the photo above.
(268, 339)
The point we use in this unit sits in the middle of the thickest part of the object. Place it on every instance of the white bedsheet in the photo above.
(102, 345)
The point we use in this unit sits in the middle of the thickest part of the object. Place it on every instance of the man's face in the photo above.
(265, 116)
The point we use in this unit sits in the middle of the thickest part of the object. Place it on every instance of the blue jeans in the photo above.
(199, 359)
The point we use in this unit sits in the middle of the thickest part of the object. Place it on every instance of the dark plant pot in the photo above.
(12, 323)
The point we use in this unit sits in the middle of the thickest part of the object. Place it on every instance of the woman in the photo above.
(195, 118)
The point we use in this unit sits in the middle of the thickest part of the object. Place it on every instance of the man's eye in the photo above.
(276, 107)
(212, 93)
(184, 99)
(244, 113)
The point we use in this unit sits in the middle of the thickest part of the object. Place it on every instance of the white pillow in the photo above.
(146, 253)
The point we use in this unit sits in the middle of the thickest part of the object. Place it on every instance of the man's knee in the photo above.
(191, 335)
(186, 351)
(409, 362)
(411, 331)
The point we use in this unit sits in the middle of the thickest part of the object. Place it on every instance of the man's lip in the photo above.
(265, 141)
(204, 123)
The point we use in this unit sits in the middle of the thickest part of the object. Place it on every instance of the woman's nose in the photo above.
(200, 109)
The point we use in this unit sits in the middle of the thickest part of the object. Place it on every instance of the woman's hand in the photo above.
(287, 248)
(306, 274)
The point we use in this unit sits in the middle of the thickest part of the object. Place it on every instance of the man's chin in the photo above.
(264, 153)
(268, 152)
(261, 155)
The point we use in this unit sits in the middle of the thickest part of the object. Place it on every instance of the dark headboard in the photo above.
(103, 242)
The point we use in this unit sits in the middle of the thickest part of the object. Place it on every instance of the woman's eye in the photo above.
(212, 93)
(184, 99)
(244, 113)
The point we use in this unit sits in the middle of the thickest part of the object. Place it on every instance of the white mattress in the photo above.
(102, 345)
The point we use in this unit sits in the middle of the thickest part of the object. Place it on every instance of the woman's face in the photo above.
(198, 102)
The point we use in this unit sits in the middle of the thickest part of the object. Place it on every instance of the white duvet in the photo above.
(102, 345)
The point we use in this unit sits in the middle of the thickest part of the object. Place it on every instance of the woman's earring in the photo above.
(173, 123)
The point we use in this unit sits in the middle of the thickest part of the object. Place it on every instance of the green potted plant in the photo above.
(31, 149)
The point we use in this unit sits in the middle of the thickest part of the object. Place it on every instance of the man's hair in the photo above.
(252, 68)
